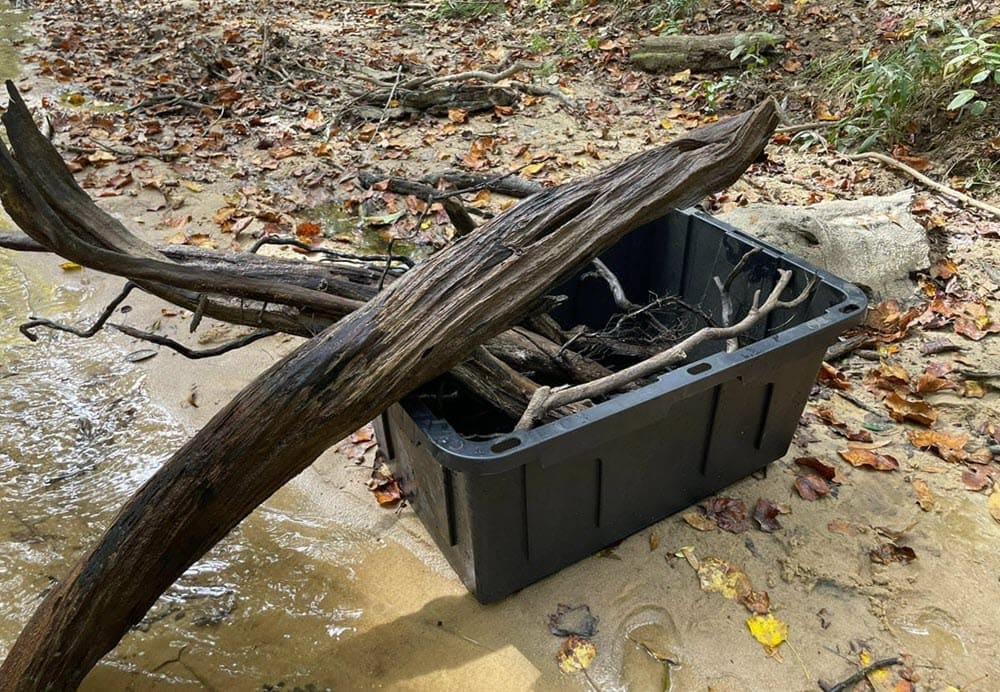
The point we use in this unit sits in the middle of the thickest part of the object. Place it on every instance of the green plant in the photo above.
(666, 14)
(976, 61)
(884, 91)
(712, 92)
(539, 44)
(751, 48)
(468, 9)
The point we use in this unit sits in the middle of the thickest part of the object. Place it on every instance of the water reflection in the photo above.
(79, 435)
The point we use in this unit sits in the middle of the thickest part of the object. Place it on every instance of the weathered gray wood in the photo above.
(707, 53)
(427, 321)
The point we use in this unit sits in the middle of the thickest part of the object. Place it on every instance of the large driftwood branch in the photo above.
(421, 325)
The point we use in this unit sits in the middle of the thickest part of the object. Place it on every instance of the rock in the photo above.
(872, 241)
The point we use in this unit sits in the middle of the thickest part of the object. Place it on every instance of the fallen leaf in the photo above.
(728, 513)
(177, 221)
(201, 240)
(365, 434)
(825, 471)
(70, 266)
(766, 515)
(948, 447)
(699, 521)
(993, 504)
(572, 621)
(887, 553)
(931, 383)
(973, 390)
(308, 230)
(943, 269)
(976, 479)
(842, 526)
(924, 497)
(811, 487)
(768, 630)
(682, 77)
(719, 576)
(389, 494)
(458, 115)
(918, 411)
(865, 457)
(576, 654)
(981, 456)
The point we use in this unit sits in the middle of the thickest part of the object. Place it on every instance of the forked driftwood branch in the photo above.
(421, 325)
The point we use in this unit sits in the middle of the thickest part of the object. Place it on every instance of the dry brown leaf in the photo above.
(993, 504)
(811, 487)
(699, 521)
(865, 457)
(924, 497)
(842, 526)
(976, 479)
(948, 447)
(915, 410)
(728, 513)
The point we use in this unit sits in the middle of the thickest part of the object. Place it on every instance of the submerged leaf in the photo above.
(568, 621)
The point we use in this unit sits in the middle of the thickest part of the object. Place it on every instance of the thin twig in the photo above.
(385, 109)
(190, 353)
(846, 683)
(661, 361)
(539, 90)
(802, 127)
(84, 333)
(934, 185)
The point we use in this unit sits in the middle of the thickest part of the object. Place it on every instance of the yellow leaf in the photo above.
(533, 168)
(576, 654)
(994, 504)
(768, 630)
(719, 576)
(192, 186)
(70, 266)
(682, 77)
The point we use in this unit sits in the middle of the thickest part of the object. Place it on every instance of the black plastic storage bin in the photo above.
(509, 511)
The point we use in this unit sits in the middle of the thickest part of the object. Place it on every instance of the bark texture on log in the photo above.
(699, 53)
(421, 325)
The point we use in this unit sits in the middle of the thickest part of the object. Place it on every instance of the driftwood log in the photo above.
(421, 325)
(707, 53)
